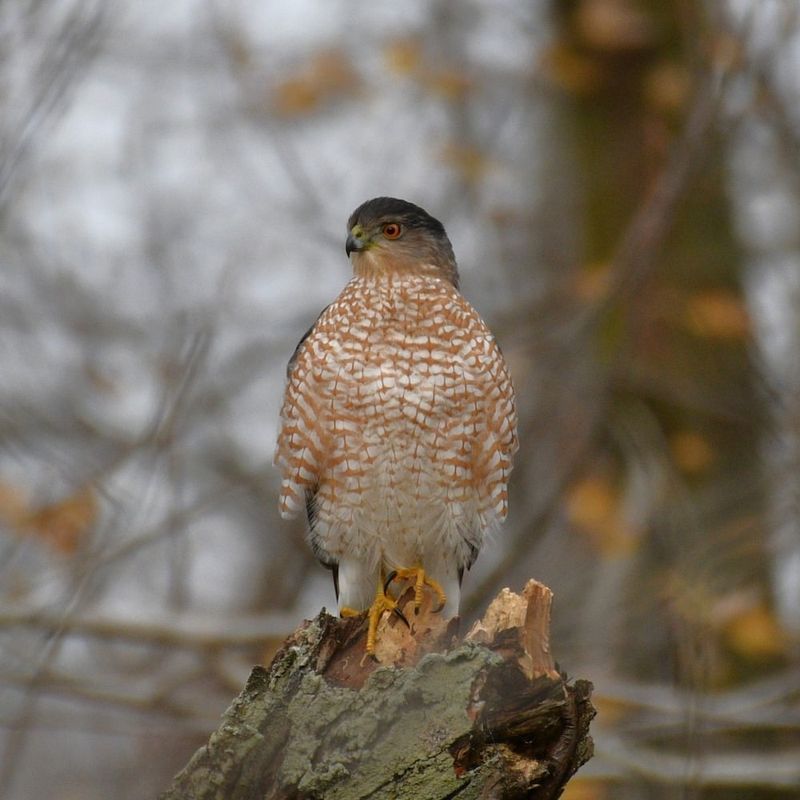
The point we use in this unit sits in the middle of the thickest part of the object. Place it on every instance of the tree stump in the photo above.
(486, 716)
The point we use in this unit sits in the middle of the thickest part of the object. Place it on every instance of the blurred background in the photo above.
(621, 183)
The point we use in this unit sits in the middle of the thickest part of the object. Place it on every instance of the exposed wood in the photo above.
(488, 716)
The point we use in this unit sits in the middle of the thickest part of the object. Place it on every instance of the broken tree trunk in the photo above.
(486, 716)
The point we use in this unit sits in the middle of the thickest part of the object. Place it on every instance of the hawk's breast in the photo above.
(405, 418)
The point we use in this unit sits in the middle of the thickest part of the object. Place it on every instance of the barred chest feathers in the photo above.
(404, 430)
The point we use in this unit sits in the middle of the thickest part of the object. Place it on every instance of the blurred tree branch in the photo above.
(185, 631)
(65, 45)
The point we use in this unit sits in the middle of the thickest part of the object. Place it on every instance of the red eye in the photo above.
(391, 230)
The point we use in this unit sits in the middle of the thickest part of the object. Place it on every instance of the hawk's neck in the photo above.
(374, 266)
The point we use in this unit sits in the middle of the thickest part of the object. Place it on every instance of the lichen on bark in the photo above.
(488, 717)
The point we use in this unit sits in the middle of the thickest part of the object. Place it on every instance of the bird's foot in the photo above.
(421, 580)
(380, 605)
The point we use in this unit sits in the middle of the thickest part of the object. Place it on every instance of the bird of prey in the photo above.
(398, 423)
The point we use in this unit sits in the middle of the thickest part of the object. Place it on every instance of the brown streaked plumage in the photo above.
(398, 424)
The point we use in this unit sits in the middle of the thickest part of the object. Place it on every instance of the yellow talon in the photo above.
(417, 574)
(381, 604)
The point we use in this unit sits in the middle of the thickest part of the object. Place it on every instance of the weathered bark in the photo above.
(485, 717)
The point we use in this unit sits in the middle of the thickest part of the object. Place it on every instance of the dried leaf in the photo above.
(327, 77)
(13, 505)
(333, 72)
(717, 314)
(591, 503)
(691, 452)
(610, 712)
(585, 788)
(594, 507)
(592, 282)
(570, 71)
(64, 524)
(296, 96)
(667, 86)
(614, 25)
(404, 56)
(468, 161)
(449, 83)
(756, 634)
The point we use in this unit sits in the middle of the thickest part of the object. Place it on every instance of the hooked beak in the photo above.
(354, 243)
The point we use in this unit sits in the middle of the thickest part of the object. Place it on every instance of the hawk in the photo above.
(398, 423)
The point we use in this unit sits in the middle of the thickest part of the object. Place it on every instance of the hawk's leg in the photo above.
(421, 580)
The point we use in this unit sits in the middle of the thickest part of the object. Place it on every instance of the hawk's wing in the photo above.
(299, 451)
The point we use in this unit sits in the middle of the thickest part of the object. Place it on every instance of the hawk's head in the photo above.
(390, 235)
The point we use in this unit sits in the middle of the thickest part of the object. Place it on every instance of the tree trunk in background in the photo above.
(662, 266)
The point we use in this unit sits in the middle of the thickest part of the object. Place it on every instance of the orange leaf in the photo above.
(667, 86)
(691, 452)
(450, 83)
(610, 711)
(717, 314)
(296, 96)
(593, 506)
(403, 56)
(591, 503)
(614, 25)
(63, 524)
(470, 162)
(328, 76)
(593, 281)
(13, 505)
(585, 789)
(333, 72)
(755, 634)
(571, 71)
